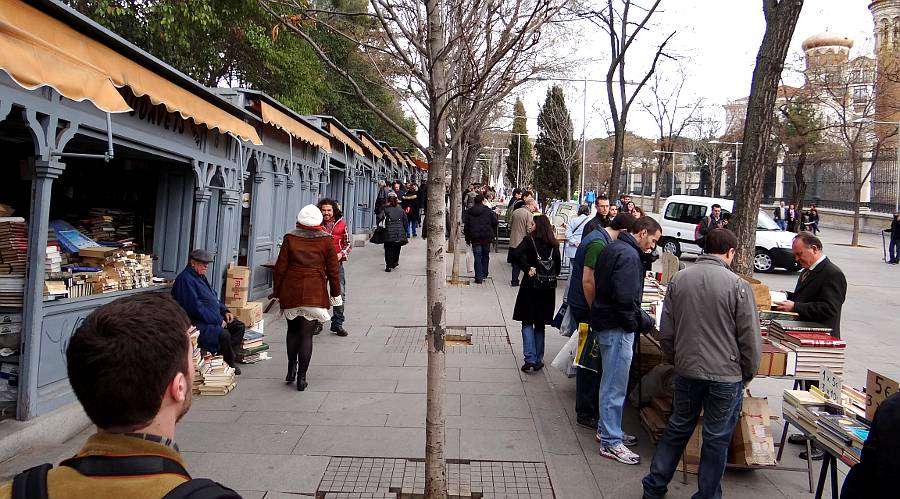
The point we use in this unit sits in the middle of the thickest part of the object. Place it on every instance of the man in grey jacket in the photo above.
(710, 326)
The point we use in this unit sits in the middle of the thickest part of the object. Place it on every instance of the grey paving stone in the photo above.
(386, 403)
(295, 474)
(366, 442)
(491, 375)
(238, 438)
(209, 416)
(313, 418)
(494, 405)
(465, 387)
(500, 445)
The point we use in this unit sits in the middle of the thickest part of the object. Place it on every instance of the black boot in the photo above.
(301, 383)
(292, 371)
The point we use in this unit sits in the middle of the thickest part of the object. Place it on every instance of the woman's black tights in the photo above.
(300, 343)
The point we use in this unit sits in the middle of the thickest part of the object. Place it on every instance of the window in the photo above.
(860, 94)
(685, 213)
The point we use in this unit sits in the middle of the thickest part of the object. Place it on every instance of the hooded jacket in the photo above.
(481, 224)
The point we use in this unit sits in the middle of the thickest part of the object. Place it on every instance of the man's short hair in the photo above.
(527, 194)
(717, 205)
(584, 209)
(645, 223)
(124, 355)
(479, 198)
(719, 241)
(517, 191)
(622, 221)
(809, 239)
(601, 197)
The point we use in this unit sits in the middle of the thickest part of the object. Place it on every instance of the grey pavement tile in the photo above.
(366, 442)
(386, 403)
(329, 358)
(277, 396)
(374, 373)
(494, 405)
(350, 385)
(572, 477)
(238, 438)
(296, 474)
(207, 416)
(465, 387)
(492, 375)
(465, 422)
(354, 418)
(500, 445)
(251, 494)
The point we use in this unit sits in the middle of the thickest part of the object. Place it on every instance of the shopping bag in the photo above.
(560, 314)
(565, 359)
(470, 260)
(588, 354)
(569, 324)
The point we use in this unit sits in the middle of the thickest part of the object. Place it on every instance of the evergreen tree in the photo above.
(557, 152)
(519, 163)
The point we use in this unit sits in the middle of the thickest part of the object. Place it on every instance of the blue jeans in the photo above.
(721, 405)
(337, 318)
(411, 228)
(616, 350)
(482, 253)
(533, 343)
(515, 273)
(782, 224)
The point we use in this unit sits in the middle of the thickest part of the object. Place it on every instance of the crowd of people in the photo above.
(791, 219)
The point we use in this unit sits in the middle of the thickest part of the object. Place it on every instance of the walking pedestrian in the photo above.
(480, 228)
(520, 224)
(791, 218)
(616, 316)
(813, 219)
(779, 214)
(538, 255)
(306, 270)
(894, 231)
(334, 223)
(716, 355)
(395, 232)
(380, 199)
(410, 205)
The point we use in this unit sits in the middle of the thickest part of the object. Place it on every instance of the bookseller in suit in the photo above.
(821, 287)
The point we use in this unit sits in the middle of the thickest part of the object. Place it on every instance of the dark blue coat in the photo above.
(193, 292)
(575, 296)
(620, 282)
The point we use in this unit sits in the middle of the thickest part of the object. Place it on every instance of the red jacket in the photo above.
(342, 243)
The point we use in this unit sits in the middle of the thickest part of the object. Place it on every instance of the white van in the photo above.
(681, 218)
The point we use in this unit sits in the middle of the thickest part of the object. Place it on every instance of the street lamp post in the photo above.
(896, 124)
(675, 153)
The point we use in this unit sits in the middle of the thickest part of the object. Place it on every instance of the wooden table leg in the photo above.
(809, 463)
(784, 432)
(822, 472)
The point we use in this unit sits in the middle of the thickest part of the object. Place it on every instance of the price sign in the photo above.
(830, 384)
(878, 388)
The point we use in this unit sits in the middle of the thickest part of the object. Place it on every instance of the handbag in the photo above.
(560, 315)
(544, 278)
(377, 237)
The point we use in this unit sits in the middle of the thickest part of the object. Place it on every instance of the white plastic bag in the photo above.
(565, 359)
(569, 324)
(470, 260)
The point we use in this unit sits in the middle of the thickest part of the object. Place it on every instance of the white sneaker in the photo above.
(628, 440)
(620, 453)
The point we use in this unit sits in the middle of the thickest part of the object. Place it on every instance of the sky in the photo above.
(716, 42)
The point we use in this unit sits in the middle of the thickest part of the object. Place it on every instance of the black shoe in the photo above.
(318, 329)
(587, 422)
(527, 367)
(514, 284)
(340, 331)
(301, 383)
(387, 269)
(237, 371)
(817, 454)
(479, 281)
(797, 438)
(292, 372)
(538, 366)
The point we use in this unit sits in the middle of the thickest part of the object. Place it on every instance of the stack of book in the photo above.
(218, 377)
(252, 349)
(119, 268)
(776, 360)
(806, 406)
(199, 365)
(843, 435)
(814, 345)
(653, 293)
(13, 260)
(767, 316)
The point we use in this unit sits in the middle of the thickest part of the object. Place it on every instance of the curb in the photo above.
(53, 428)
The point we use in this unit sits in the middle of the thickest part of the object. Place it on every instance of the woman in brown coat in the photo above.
(307, 268)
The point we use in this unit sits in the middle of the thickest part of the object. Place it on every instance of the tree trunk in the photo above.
(569, 184)
(618, 157)
(660, 167)
(455, 215)
(798, 191)
(781, 19)
(436, 271)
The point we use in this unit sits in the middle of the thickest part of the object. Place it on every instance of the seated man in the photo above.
(130, 365)
(219, 332)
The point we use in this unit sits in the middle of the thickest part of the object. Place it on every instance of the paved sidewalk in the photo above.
(359, 427)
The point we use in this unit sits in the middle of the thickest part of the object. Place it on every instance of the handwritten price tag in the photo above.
(878, 388)
(830, 384)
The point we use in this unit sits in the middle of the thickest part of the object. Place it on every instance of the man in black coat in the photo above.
(879, 466)
(480, 229)
(821, 287)
(601, 219)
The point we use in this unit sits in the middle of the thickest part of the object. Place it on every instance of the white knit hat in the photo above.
(310, 216)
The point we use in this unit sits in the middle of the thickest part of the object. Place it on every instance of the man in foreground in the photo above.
(616, 316)
(220, 333)
(716, 354)
(334, 223)
(130, 365)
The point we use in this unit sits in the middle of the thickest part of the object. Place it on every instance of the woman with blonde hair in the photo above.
(306, 270)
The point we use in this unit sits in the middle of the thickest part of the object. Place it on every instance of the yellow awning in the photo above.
(390, 155)
(298, 129)
(50, 36)
(376, 151)
(346, 139)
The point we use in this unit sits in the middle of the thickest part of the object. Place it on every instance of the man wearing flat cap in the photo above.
(195, 295)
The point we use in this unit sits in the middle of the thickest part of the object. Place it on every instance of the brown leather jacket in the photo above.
(306, 263)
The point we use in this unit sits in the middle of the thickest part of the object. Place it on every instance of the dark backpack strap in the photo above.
(125, 466)
(201, 488)
(31, 483)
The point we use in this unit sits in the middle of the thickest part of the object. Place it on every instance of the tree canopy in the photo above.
(555, 146)
(519, 163)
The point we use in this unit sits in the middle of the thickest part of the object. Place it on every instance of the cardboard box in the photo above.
(760, 293)
(752, 441)
(259, 327)
(249, 314)
(237, 287)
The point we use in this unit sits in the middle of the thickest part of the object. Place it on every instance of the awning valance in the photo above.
(376, 151)
(298, 129)
(345, 139)
(50, 40)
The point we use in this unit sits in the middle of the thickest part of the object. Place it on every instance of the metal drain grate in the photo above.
(355, 477)
(473, 340)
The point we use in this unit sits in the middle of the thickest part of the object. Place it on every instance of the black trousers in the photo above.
(229, 342)
(587, 382)
(392, 254)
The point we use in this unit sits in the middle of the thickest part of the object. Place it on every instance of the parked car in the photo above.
(681, 218)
